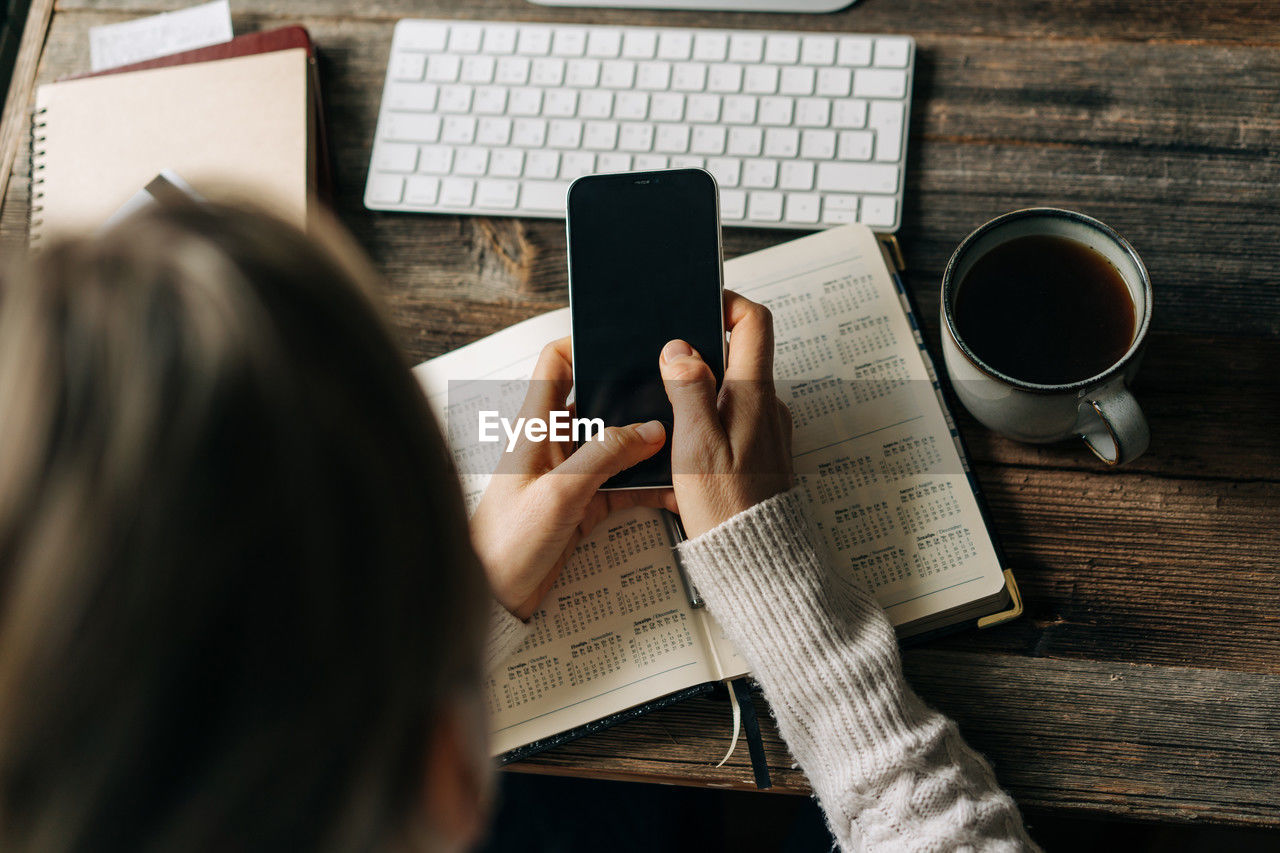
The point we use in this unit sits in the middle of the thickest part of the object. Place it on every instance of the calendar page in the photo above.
(617, 629)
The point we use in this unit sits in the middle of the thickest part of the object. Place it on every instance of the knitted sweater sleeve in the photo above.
(890, 773)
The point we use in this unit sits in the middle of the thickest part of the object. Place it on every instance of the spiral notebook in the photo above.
(244, 124)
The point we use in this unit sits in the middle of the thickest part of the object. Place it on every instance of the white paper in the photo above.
(113, 45)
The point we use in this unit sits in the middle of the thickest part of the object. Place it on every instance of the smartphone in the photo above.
(645, 266)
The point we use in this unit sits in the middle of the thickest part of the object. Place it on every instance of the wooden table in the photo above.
(1144, 680)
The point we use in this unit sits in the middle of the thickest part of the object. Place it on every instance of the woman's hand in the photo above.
(545, 496)
(729, 451)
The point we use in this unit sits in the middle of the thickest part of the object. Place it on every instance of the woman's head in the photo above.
(236, 590)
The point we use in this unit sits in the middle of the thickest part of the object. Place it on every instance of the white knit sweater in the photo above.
(890, 773)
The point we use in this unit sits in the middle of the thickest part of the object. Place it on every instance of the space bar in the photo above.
(543, 195)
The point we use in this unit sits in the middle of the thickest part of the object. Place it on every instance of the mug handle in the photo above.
(1114, 427)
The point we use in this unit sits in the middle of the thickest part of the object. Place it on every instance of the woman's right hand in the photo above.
(732, 450)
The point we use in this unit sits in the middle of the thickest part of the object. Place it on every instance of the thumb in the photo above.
(691, 388)
(611, 452)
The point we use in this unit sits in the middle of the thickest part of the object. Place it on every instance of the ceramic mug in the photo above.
(1099, 409)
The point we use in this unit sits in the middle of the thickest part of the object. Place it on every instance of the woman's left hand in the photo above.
(545, 495)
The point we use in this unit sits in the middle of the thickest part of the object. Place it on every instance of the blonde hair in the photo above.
(235, 578)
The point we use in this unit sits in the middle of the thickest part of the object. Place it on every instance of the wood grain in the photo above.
(1151, 742)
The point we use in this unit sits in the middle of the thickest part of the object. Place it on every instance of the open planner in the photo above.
(875, 453)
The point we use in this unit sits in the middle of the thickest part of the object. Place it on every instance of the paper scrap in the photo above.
(113, 45)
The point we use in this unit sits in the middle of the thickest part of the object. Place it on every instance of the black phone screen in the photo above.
(644, 268)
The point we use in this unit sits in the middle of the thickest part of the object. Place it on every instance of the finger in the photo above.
(577, 480)
(691, 388)
(750, 328)
(552, 378)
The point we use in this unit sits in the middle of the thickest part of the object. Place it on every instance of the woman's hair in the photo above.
(235, 578)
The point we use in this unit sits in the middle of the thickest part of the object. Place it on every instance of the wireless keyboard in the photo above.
(800, 130)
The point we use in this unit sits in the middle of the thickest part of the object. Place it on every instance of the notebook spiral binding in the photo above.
(35, 193)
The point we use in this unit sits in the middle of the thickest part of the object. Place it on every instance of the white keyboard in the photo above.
(800, 130)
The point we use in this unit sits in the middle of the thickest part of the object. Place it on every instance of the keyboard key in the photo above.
(564, 133)
(782, 49)
(617, 74)
(457, 192)
(500, 195)
(639, 44)
(506, 163)
(575, 164)
(650, 162)
(672, 138)
(689, 77)
(420, 189)
(854, 51)
(490, 100)
(797, 81)
(465, 38)
(849, 113)
(856, 144)
(458, 130)
(529, 132)
(455, 99)
(892, 53)
(613, 163)
(500, 41)
(471, 161)
(724, 78)
(839, 209)
(633, 106)
(493, 131)
(760, 80)
(407, 66)
(674, 45)
(385, 189)
(803, 207)
(765, 207)
(887, 121)
(687, 162)
(436, 159)
(666, 107)
(600, 135)
(542, 164)
(760, 174)
(813, 112)
(834, 82)
(857, 177)
(512, 71)
(739, 109)
(604, 44)
(534, 41)
(703, 109)
(746, 141)
(818, 50)
(582, 73)
(655, 76)
(775, 111)
(781, 142)
(710, 47)
(879, 83)
(733, 204)
(595, 104)
(478, 69)
(818, 144)
(393, 157)
(561, 103)
(879, 211)
(547, 71)
(410, 127)
(411, 96)
(796, 175)
(421, 35)
(524, 102)
(543, 195)
(569, 42)
(708, 139)
(727, 171)
(443, 68)
(636, 137)
(746, 47)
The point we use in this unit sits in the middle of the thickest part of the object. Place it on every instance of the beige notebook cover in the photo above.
(237, 124)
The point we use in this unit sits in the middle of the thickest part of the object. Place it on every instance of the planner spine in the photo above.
(35, 188)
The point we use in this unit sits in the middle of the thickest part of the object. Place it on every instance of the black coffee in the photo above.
(1045, 309)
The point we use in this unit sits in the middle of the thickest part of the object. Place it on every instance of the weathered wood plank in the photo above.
(1230, 21)
(1134, 741)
